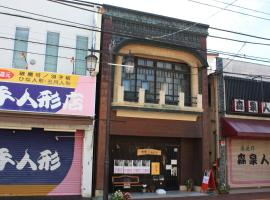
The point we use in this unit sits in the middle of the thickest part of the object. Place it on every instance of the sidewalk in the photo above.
(253, 194)
(168, 195)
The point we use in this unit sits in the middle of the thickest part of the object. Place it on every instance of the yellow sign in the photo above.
(155, 168)
(141, 152)
(39, 78)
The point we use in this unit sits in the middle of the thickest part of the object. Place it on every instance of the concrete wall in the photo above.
(38, 31)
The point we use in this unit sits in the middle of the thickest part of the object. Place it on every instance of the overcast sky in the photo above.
(187, 10)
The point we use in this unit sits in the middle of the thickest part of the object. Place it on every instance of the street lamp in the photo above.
(91, 63)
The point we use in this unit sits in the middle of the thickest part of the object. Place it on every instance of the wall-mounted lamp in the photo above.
(129, 63)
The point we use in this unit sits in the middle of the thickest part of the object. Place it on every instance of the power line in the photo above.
(260, 59)
(42, 43)
(109, 32)
(234, 57)
(41, 20)
(253, 10)
(87, 2)
(63, 20)
(51, 22)
(235, 40)
(239, 33)
(34, 53)
(40, 54)
(194, 24)
(211, 27)
(66, 3)
(267, 19)
(239, 55)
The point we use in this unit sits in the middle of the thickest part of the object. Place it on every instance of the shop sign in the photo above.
(142, 152)
(47, 160)
(222, 143)
(24, 161)
(155, 168)
(45, 92)
(250, 106)
(249, 161)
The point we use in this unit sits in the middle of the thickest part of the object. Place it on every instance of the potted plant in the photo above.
(223, 189)
(119, 195)
(189, 184)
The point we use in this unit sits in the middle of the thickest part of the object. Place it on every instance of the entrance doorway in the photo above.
(172, 167)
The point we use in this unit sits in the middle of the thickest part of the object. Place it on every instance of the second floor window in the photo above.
(153, 76)
(81, 53)
(20, 48)
(51, 52)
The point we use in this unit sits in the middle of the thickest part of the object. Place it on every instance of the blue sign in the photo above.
(34, 98)
(34, 157)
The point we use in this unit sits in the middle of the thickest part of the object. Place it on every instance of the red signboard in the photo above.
(5, 74)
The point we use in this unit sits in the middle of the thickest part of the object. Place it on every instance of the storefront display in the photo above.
(150, 165)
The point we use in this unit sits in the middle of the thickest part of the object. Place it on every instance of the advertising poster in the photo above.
(145, 166)
(118, 167)
(137, 167)
(128, 166)
(155, 168)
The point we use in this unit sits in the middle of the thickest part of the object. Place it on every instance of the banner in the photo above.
(45, 92)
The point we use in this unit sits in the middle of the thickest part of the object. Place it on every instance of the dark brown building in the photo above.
(152, 120)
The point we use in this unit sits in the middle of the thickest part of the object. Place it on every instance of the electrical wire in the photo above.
(73, 48)
(88, 2)
(244, 44)
(211, 27)
(40, 54)
(110, 32)
(213, 6)
(249, 9)
(67, 4)
(51, 22)
(215, 28)
(194, 24)
(54, 18)
(238, 33)
(235, 40)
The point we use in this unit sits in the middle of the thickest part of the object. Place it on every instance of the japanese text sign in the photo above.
(155, 168)
(141, 152)
(249, 162)
(250, 106)
(45, 92)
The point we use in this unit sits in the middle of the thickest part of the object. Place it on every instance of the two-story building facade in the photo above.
(47, 99)
(240, 123)
(152, 118)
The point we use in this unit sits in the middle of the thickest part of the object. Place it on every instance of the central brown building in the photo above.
(153, 121)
